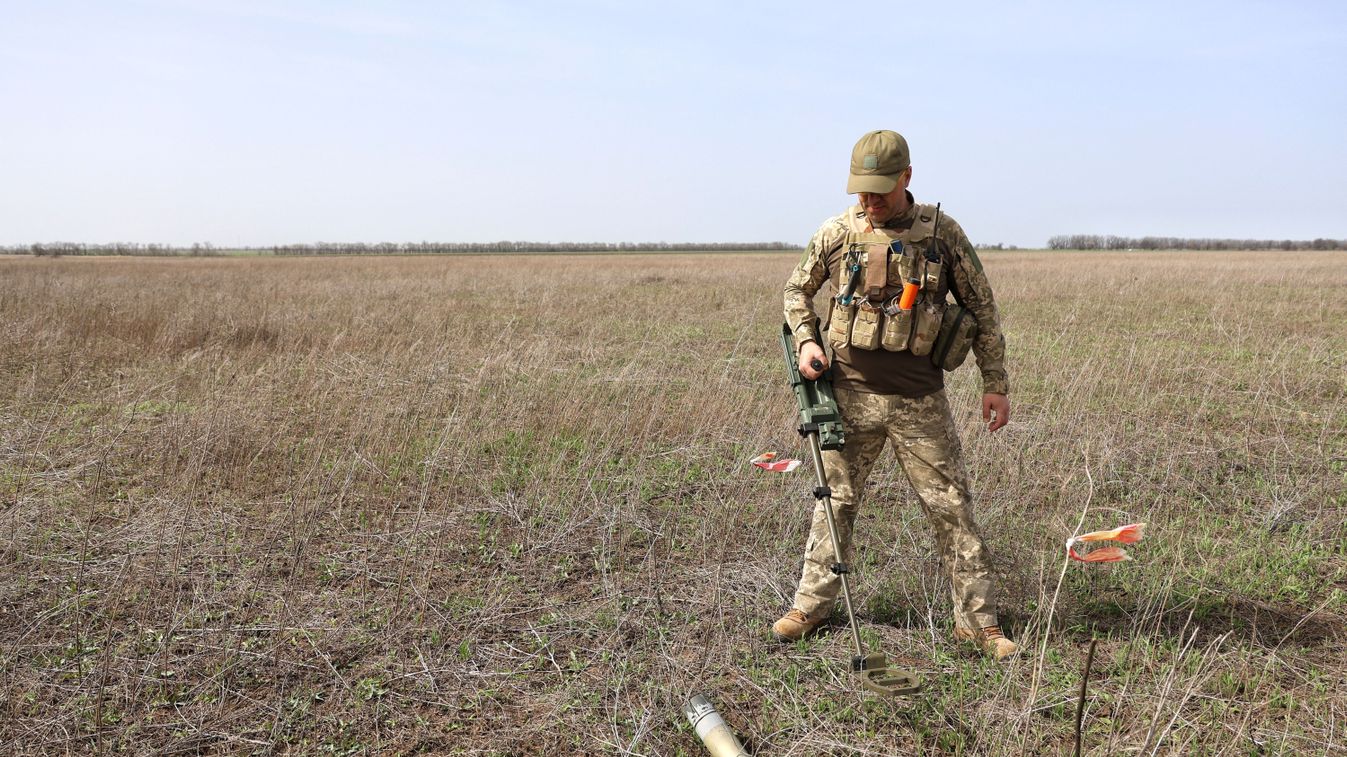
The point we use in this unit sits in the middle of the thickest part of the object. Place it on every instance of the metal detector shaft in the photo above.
(839, 567)
(821, 424)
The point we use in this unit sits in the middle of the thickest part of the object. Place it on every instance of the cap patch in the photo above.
(871, 161)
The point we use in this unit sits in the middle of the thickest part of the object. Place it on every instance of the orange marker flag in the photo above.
(769, 461)
(1103, 554)
(1128, 534)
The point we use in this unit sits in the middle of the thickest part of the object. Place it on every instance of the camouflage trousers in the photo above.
(928, 449)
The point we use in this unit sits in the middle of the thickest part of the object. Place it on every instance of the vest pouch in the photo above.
(958, 329)
(865, 328)
(926, 326)
(839, 323)
(935, 275)
(897, 330)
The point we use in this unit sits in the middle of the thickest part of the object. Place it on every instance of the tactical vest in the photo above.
(873, 317)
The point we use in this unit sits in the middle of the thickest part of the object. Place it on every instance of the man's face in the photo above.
(880, 208)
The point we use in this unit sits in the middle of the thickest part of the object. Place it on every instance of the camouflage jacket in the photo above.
(963, 271)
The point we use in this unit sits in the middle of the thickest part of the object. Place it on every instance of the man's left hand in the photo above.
(995, 410)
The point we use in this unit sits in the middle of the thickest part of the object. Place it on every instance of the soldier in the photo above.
(886, 384)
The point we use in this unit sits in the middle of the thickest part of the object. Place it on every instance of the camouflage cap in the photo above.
(877, 161)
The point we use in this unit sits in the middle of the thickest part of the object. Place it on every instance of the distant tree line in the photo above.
(57, 249)
(432, 248)
(203, 249)
(1110, 242)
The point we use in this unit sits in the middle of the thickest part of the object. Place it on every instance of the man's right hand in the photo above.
(809, 352)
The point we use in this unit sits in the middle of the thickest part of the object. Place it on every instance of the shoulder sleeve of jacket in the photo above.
(969, 284)
(809, 275)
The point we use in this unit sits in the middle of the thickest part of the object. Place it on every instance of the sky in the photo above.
(244, 122)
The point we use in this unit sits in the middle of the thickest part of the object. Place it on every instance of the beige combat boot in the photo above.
(990, 640)
(794, 625)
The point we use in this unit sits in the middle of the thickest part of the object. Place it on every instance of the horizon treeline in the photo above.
(422, 248)
(387, 248)
(1111, 242)
(202, 249)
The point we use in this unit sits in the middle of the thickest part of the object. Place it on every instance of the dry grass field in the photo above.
(501, 506)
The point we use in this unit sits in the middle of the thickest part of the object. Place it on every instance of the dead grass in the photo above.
(501, 506)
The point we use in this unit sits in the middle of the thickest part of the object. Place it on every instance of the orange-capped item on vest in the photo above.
(909, 298)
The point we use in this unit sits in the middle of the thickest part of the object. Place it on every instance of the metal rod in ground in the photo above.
(827, 501)
(1084, 683)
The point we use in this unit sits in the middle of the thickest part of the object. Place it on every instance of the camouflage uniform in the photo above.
(920, 429)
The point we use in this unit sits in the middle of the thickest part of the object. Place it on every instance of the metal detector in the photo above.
(821, 425)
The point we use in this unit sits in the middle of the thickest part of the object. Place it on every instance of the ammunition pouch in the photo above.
(865, 327)
(897, 327)
(926, 319)
(958, 329)
(839, 323)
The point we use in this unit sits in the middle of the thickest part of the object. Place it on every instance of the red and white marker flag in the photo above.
(769, 461)
(1128, 534)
